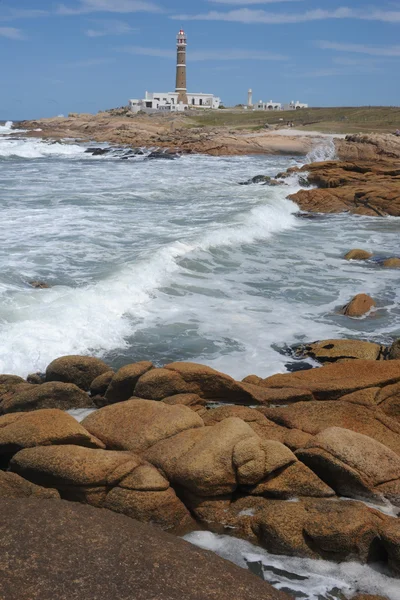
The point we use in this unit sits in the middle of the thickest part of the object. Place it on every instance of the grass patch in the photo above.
(330, 120)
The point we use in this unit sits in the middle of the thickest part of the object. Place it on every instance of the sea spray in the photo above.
(304, 578)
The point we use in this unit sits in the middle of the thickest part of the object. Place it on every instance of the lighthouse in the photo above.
(181, 88)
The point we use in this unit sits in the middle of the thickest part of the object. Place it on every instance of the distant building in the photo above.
(294, 105)
(181, 99)
(267, 105)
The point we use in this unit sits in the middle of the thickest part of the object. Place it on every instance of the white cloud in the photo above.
(360, 48)
(204, 55)
(12, 14)
(250, 16)
(115, 6)
(12, 33)
(110, 27)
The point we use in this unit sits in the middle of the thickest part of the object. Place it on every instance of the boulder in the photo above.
(14, 486)
(394, 350)
(392, 263)
(357, 254)
(42, 428)
(213, 461)
(360, 187)
(333, 381)
(36, 378)
(388, 400)
(99, 386)
(263, 427)
(48, 395)
(191, 378)
(366, 397)
(314, 417)
(119, 481)
(192, 401)
(138, 424)
(79, 370)
(359, 306)
(329, 529)
(353, 464)
(65, 550)
(329, 351)
(124, 381)
(293, 481)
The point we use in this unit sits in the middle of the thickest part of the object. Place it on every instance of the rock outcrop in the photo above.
(361, 188)
(79, 370)
(119, 481)
(27, 397)
(56, 549)
(42, 428)
(359, 306)
(14, 486)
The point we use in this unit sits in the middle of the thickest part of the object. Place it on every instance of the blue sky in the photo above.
(88, 55)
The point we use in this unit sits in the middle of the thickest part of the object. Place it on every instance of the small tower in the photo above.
(181, 68)
(250, 98)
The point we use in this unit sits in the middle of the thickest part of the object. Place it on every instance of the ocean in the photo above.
(168, 260)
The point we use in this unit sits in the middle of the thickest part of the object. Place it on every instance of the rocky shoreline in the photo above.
(184, 446)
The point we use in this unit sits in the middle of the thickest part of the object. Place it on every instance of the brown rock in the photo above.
(327, 351)
(119, 481)
(388, 400)
(314, 417)
(392, 263)
(334, 381)
(359, 306)
(367, 397)
(394, 351)
(124, 381)
(36, 378)
(293, 481)
(369, 597)
(364, 188)
(98, 554)
(351, 463)
(329, 529)
(357, 254)
(48, 395)
(138, 424)
(263, 427)
(213, 461)
(42, 428)
(14, 486)
(41, 285)
(99, 386)
(79, 370)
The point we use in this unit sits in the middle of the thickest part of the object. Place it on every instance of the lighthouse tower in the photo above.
(181, 68)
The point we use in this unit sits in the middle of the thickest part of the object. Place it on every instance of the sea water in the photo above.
(168, 260)
(174, 260)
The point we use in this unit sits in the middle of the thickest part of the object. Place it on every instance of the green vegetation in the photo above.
(329, 120)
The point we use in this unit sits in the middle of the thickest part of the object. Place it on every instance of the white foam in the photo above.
(324, 151)
(36, 148)
(315, 579)
(81, 413)
(99, 317)
(6, 128)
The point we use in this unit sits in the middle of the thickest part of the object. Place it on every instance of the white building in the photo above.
(294, 105)
(181, 99)
(168, 101)
(267, 105)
